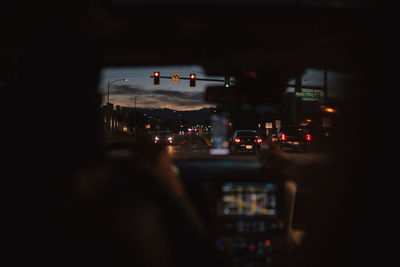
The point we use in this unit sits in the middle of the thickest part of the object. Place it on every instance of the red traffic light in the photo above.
(156, 77)
(192, 77)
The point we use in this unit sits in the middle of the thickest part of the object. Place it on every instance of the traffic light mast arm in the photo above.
(220, 80)
(197, 79)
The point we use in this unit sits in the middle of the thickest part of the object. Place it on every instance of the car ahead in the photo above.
(293, 137)
(163, 137)
(246, 141)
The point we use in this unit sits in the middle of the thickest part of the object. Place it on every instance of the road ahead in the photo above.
(196, 147)
(189, 146)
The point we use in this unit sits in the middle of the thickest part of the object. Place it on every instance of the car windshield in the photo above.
(171, 101)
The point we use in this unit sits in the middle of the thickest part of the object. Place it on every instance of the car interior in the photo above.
(88, 201)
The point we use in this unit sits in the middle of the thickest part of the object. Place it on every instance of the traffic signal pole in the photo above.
(297, 101)
(188, 78)
(325, 85)
(312, 87)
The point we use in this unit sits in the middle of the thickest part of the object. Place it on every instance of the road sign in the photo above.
(176, 77)
(268, 125)
(308, 94)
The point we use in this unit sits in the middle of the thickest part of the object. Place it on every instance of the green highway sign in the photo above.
(308, 94)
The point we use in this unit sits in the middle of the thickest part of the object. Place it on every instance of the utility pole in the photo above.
(108, 92)
(135, 118)
(297, 100)
(109, 111)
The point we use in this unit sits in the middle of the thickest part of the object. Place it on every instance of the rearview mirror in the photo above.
(241, 95)
(259, 89)
(220, 94)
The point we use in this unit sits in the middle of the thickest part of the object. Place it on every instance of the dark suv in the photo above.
(293, 137)
(246, 141)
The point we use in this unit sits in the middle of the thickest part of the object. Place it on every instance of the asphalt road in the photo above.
(185, 147)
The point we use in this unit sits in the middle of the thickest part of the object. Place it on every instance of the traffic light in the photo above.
(156, 77)
(192, 79)
(227, 81)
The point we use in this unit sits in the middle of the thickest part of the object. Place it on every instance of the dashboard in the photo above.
(251, 227)
(248, 207)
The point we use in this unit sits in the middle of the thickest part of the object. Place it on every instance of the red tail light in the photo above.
(308, 137)
(283, 137)
(237, 140)
(259, 140)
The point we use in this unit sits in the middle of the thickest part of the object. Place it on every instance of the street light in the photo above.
(108, 87)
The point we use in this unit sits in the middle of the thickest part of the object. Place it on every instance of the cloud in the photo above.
(177, 98)
(125, 95)
(124, 89)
